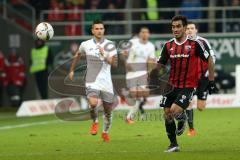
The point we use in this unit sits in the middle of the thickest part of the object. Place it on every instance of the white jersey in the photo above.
(139, 53)
(98, 74)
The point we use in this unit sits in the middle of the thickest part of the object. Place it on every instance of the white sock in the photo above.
(132, 111)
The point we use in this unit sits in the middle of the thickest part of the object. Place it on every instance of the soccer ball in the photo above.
(44, 31)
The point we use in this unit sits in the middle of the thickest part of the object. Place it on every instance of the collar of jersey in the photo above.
(182, 42)
(102, 40)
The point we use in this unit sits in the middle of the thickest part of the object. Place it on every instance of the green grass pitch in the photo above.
(47, 138)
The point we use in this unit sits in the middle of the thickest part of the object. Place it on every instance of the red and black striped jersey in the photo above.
(203, 65)
(183, 61)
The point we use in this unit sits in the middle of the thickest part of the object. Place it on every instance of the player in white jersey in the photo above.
(100, 55)
(139, 56)
(202, 90)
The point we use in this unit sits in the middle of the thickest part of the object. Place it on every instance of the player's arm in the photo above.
(211, 60)
(151, 61)
(204, 54)
(74, 62)
(110, 58)
(164, 57)
(203, 51)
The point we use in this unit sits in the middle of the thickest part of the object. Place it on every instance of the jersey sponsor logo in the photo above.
(179, 56)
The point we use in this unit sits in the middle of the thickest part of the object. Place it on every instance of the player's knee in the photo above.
(201, 108)
(93, 103)
(168, 116)
(201, 105)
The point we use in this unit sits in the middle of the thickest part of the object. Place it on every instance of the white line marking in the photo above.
(28, 124)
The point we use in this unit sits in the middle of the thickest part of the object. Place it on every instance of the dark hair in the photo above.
(97, 22)
(143, 27)
(180, 18)
(191, 22)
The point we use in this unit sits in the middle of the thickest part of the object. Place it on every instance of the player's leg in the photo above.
(171, 130)
(182, 101)
(180, 116)
(202, 93)
(189, 112)
(201, 104)
(142, 103)
(108, 105)
(137, 91)
(92, 97)
(144, 95)
(131, 100)
(170, 126)
(133, 104)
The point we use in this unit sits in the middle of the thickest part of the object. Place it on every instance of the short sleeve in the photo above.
(202, 51)
(81, 48)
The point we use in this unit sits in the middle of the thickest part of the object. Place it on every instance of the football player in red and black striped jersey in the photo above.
(182, 53)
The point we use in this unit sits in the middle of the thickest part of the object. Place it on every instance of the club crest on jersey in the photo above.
(188, 48)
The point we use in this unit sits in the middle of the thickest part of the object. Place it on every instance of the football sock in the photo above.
(107, 118)
(132, 111)
(170, 129)
(94, 114)
(190, 117)
(141, 106)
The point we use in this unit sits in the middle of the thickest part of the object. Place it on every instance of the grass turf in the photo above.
(48, 138)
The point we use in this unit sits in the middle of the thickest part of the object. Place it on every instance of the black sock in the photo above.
(170, 129)
(190, 117)
(141, 106)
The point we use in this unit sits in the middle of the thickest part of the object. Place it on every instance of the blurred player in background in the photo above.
(183, 54)
(98, 76)
(139, 58)
(202, 90)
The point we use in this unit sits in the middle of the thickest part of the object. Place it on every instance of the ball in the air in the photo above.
(44, 31)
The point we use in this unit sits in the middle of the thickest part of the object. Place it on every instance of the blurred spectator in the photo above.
(188, 4)
(16, 78)
(41, 61)
(3, 75)
(73, 29)
(151, 14)
(55, 14)
(151, 6)
(91, 16)
(65, 55)
(113, 16)
(235, 13)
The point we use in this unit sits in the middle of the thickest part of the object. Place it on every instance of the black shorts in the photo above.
(202, 90)
(179, 96)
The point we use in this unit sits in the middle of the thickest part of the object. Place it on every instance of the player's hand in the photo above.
(212, 88)
(71, 75)
(101, 50)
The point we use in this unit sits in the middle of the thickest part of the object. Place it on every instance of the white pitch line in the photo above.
(28, 124)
